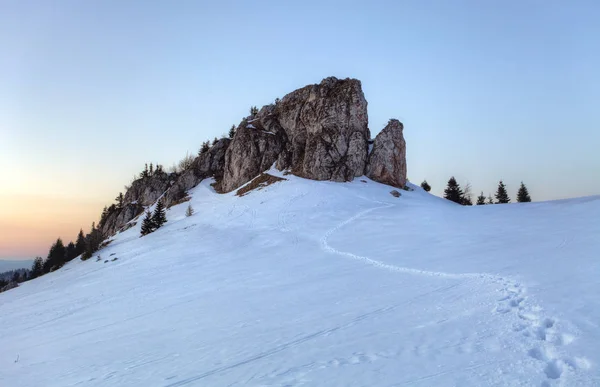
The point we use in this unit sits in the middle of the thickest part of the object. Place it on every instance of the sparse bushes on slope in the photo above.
(189, 211)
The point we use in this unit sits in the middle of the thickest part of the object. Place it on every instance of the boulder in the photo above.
(387, 160)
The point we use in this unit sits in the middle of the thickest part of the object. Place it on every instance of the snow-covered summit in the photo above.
(321, 284)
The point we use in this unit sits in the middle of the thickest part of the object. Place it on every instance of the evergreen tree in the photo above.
(92, 242)
(501, 194)
(523, 194)
(80, 243)
(56, 256)
(37, 269)
(147, 224)
(104, 215)
(120, 199)
(159, 217)
(232, 131)
(205, 147)
(145, 172)
(70, 252)
(453, 191)
(189, 211)
(159, 169)
(425, 186)
(151, 169)
(253, 111)
(481, 199)
(215, 141)
(490, 200)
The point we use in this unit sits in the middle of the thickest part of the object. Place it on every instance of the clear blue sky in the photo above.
(487, 90)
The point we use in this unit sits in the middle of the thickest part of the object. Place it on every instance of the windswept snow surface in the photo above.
(308, 283)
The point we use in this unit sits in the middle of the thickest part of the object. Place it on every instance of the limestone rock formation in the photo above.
(252, 151)
(208, 164)
(319, 132)
(119, 218)
(146, 191)
(387, 161)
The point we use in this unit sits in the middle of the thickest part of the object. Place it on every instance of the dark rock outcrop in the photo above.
(253, 150)
(387, 160)
(208, 164)
(319, 132)
(147, 190)
(117, 219)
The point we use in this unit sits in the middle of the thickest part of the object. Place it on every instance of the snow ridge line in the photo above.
(532, 324)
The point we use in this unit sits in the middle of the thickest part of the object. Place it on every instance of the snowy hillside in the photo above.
(321, 284)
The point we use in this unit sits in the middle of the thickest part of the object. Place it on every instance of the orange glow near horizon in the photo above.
(31, 223)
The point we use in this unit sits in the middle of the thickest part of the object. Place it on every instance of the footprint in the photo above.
(564, 339)
(516, 302)
(554, 369)
(548, 323)
(536, 353)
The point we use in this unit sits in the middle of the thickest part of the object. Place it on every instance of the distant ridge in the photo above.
(13, 264)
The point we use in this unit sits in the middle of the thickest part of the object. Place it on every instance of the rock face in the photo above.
(210, 163)
(252, 151)
(319, 132)
(119, 218)
(387, 161)
(147, 190)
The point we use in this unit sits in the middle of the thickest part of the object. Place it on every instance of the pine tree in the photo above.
(104, 215)
(189, 211)
(145, 173)
(215, 141)
(70, 252)
(92, 242)
(232, 131)
(158, 170)
(37, 269)
(151, 169)
(120, 199)
(147, 224)
(205, 147)
(453, 191)
(523, 194)
(56, 256)
(80, 243)
(253, 111)
(490, 200)
(425, 186)
(159, 217)
(501, 194)
(481, 199)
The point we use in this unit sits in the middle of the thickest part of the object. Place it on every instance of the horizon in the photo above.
(486, 92)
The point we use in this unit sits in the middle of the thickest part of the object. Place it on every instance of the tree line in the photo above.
(456, 194)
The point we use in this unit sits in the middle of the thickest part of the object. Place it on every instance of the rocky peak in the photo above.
(387, 160)
(318, 132)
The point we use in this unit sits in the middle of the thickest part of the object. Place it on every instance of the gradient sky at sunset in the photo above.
(91, 90)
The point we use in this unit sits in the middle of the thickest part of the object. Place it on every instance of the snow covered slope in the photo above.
(321, 284)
